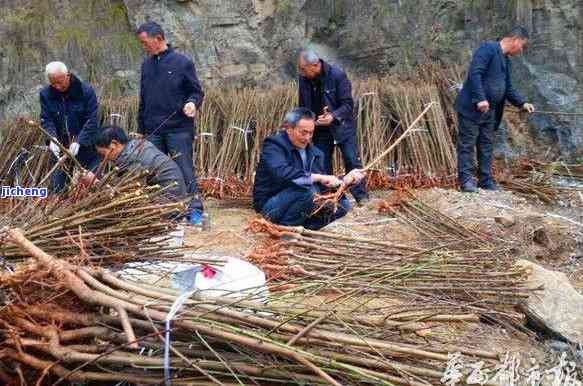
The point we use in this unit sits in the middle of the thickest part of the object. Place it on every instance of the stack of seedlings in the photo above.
(435, 227)
(233, 123)
(542, 180)
(436, 277)
(98, 327)
(112, 221)
(25, 157)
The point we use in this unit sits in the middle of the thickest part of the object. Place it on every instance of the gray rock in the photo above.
(555, 308)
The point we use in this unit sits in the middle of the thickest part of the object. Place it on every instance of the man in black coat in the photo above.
(170, 96)
(480, 106)
(69, 114)
(291, 172)
(326, 90)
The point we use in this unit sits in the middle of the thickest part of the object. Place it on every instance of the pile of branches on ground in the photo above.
(25, 156)
(118, 219)
(92, 325)
(542, 180)
(462, 274)
(234, 122)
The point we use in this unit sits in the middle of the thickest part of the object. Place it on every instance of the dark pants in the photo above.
(324, 141)
(87, 157)
(180, 143)
(295, 205)
(474, 135)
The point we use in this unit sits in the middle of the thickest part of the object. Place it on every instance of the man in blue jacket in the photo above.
(69, 114)
(326, 90)
(480, 106)
(170, 97)
(290, 173)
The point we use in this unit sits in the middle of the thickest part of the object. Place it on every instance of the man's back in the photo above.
(164, 170)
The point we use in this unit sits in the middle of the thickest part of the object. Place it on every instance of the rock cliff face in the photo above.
(253, 42)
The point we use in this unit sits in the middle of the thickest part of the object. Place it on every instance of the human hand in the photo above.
(189, 110)
(528, 107)
(330, 181)
(484, 106)
(74, 148)
(87, 178)
(354, 177)
(55, 149)
(325, 119)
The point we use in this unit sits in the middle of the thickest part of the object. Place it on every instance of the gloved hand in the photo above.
(74, 148)
(55, 149)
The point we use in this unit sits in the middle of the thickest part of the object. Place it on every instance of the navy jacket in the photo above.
(281, 167)
(168, 82)
(489, 78)
(70, 114)
(337, 95)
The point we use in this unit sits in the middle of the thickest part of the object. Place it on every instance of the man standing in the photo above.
(291, 171)
(326, 90)
(69, 114)
(170, 97)
(480, 106)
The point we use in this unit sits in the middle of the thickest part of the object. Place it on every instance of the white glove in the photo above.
(74, 148)
(55, 149)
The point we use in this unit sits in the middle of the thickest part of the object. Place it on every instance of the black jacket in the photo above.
(337, 95)
(281, 167)
(489, 78)
(168, 82)
(70, 114)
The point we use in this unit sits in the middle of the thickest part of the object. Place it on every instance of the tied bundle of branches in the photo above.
(213, 340)
(433, 226)
(120, 111)
(115, 219)
(557, 169)
(25, 157)
(403, 278)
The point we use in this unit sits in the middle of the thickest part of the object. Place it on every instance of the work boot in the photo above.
(489, 185)
(468, 187)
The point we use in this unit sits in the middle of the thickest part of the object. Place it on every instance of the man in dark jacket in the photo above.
(69, 114)
(170, 97)
(326, 90)
(291, 171)
(480, 106)
(114, 146)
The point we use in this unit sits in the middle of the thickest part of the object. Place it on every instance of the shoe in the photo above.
(468, 187)
(195, 217)
(490, 185)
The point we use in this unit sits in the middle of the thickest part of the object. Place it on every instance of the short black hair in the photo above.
(518, 32)
(152, 29)
(108, 134)
(297, 114)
